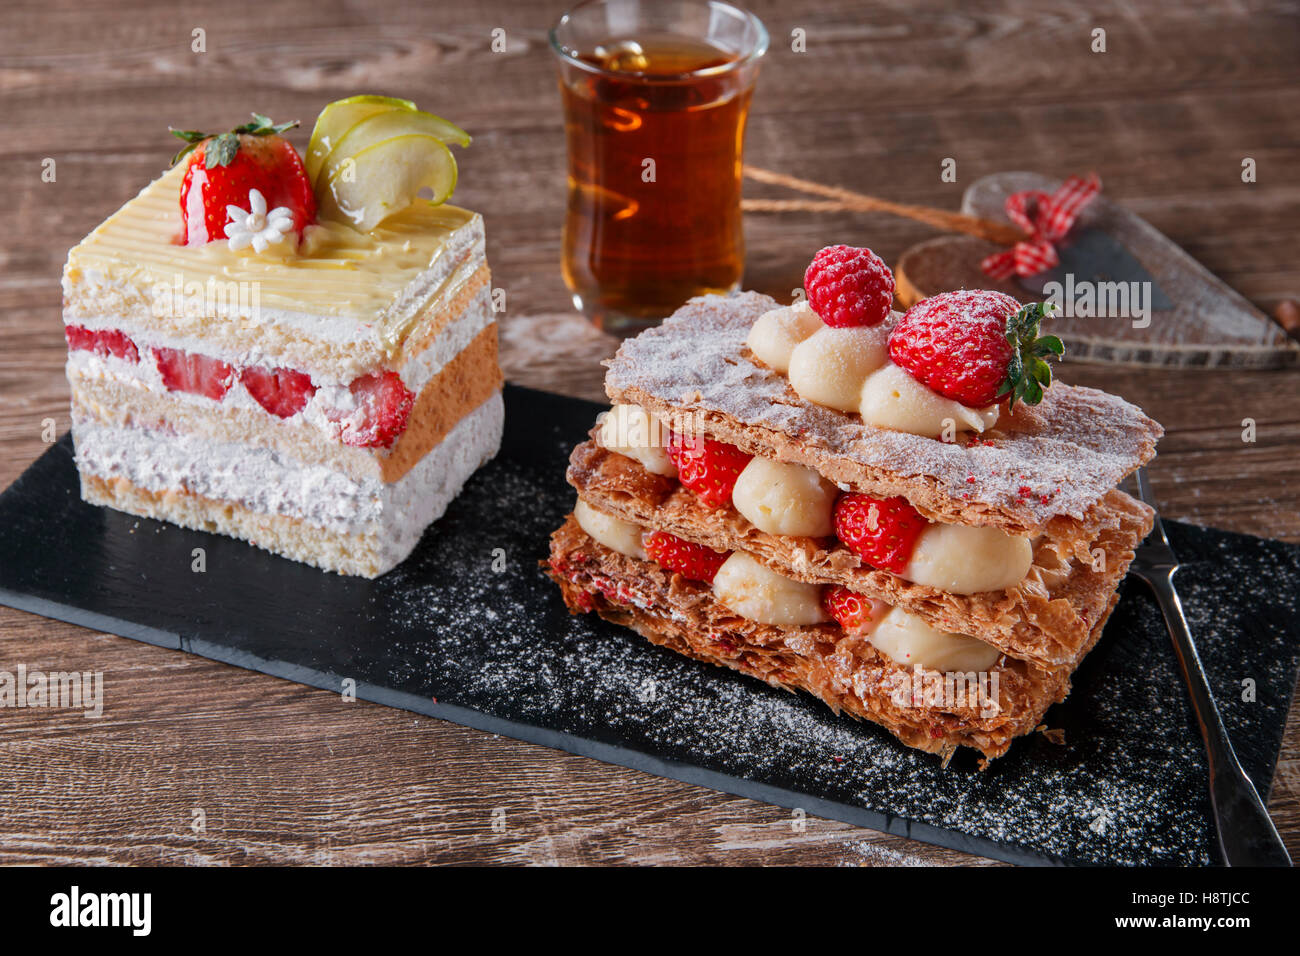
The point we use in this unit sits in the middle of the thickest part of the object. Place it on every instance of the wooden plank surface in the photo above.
(198, 762)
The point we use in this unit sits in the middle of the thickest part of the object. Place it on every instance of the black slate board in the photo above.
(448, 636)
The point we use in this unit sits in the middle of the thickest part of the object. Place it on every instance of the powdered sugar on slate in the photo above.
(1127, 786)
(1056, 458)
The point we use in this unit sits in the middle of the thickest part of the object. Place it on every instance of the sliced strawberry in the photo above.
(707, 467)
(223, 170)
(683, 557)
(853, 611)
(194, 373)
(381, 406)
(101, 342)
(881, 531)
(283, 392)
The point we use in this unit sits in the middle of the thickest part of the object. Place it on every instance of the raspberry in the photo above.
(847, 286)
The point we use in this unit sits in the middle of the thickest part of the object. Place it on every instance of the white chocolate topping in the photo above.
(891, 398)
(908, 640)
(781, 498)
(754, 592)
(964, 559)
(778, 331)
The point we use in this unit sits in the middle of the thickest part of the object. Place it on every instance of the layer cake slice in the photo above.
(324, 397)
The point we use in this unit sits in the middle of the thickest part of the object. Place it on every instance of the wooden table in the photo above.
(282, 773)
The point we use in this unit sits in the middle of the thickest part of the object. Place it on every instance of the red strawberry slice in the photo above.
(881, 531)
(683, 557)
(381, 406)
(194, 373)
(102, 342)
(851, 610)
(222, 170)
(707, 467)
(283, 392)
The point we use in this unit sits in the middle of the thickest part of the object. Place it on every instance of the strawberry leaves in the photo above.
(1028, 372)
(223, 147)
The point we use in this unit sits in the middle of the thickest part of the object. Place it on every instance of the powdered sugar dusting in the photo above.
(1057, 458)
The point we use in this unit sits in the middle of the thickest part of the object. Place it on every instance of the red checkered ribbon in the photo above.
(1047, 218)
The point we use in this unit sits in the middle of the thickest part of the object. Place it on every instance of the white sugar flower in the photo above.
(255, 226)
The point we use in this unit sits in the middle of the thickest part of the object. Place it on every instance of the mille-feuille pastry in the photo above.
(894, 513)
(304, 357)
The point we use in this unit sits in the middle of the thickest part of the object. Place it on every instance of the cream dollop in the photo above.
(962, 559)
(891, 398)
(782, 498)
(632, 431)
(614, 533)
(756, 593)
(830, 365)
(776, 333)
(906, 639)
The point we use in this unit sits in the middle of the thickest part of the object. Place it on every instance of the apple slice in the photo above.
(340, 116)
(367, 188)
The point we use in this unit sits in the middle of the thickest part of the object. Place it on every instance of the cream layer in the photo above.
(267, 482)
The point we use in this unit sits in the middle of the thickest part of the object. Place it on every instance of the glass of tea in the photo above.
(656, 93)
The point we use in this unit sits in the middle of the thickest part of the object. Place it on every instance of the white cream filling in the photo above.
(961, 559)
(775, 334)
(268, 482)
(781, 498)
(906, 639)
(891, 398)
(614, 533)
(759, 594)
(415, 373)
(631, 431)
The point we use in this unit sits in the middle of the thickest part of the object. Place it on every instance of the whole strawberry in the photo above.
(683, 557)
(247, 186)
(848, 286)
(976, 347)
(707, 467)
(881, 531)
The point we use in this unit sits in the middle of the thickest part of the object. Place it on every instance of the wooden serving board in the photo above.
(1205, 324)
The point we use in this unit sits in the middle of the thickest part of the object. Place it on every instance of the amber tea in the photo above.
(655, 124)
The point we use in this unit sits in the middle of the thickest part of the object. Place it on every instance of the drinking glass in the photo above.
(656, 95)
